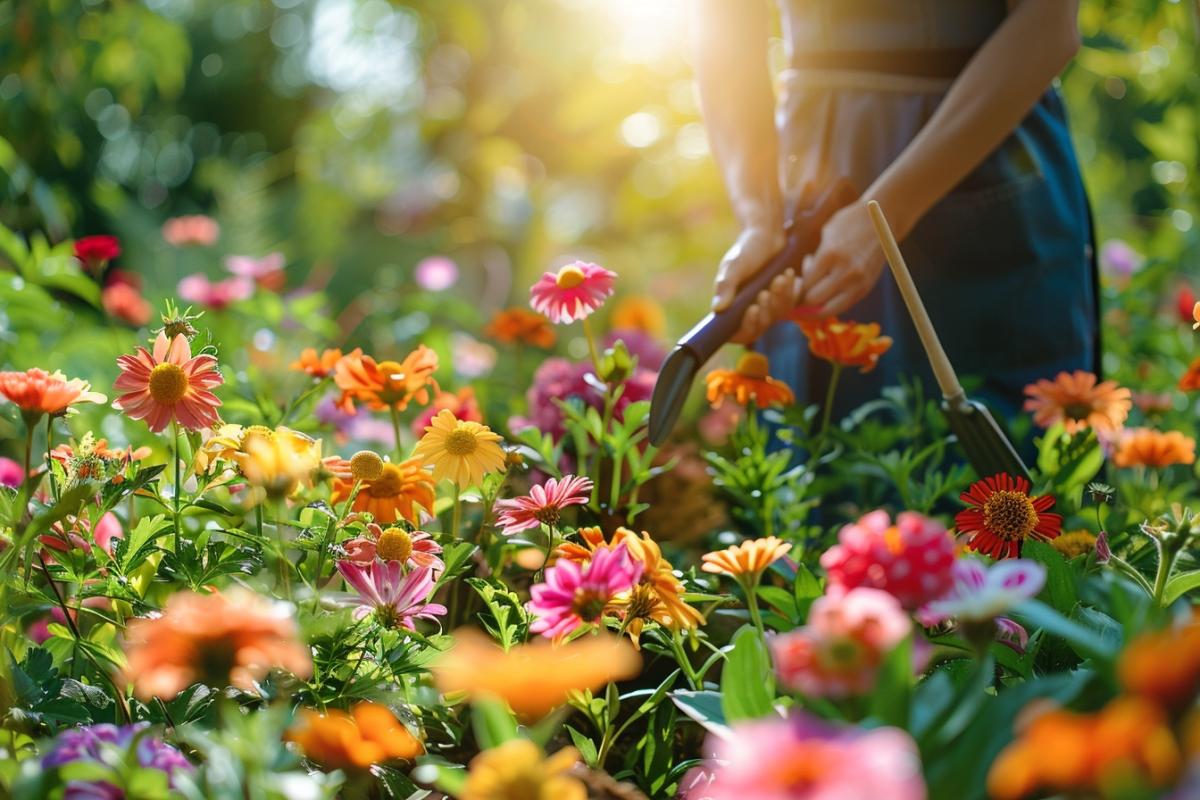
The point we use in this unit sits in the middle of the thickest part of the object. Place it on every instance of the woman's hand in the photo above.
(753, 249)
(847, 264)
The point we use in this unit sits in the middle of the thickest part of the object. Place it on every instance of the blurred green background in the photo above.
(359, 136)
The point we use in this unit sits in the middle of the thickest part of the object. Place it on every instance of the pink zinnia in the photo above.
(543, 505)
(839, 651)
(169, 384)
(910, 560)
(572, 293)
(216, 295)
(395, 598)
(424, 553)
(267, 271)
(12, 474)
(803, 758)
(573, 594)
(191, 229)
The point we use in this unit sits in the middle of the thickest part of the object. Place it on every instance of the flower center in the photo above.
(388, 484)
(753, 365)
(1077, 411)
(641, 603)
(569, 277)
(461, 443)
(547, 515)
(394, 545)
(168, 384)
(1010, 515)
(366, 465)
(842, 654)
(588, 604)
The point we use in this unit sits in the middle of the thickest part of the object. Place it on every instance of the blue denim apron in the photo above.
(1004, 262)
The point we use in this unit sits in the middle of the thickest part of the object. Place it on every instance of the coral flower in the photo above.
(398, 493)
(543, 505)
(37, 392)
(521, 326)
(517, 770)
(414, 549)
(396, 598)
(1144, 447)
(1077, 401)
(572, 293)
(533, 679)
(747, 560)
(96, 251)
(846, 344)
(1075, 543)
(235, 637)
(215, 295)
(838, 652)
(460, 450)
(191, 229)
(1164, 666)
(169, 384)
(911, 560)
(809, 759)
(1002, 515)
(1126, 744)
(573, 595)
(124, 301)
(318, 366)
(385, 385)
(462, 404)
(1190, 380)
(982, 593)
(748, 383)
(370, 734)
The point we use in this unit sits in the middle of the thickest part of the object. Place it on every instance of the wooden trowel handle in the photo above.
(942, 370)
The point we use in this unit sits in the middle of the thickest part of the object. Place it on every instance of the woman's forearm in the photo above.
(730, 45)
(986, 103)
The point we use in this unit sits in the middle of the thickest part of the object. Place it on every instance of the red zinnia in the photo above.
(169, 384)
(96, 251)
(1002, 515)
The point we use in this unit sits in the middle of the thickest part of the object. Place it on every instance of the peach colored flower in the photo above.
(37, 392)
(1078, 401)
(383, 385)
(318, 366)
(1145, 447)
(169, 384)
(194, 229)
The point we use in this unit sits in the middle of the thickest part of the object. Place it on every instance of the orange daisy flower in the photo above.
(748, 382)
(746, 560)
(1196, 315)
(37, 392)
(382, 385)
(1164, 666)
(535, 678)
(1144, 447)
(399, 491)
(232, 638)
(369, 734)
(1190, 380)
(169, 384)
(1002, 515)
(521, 325)
(1077, 401)
(845, 343)
(318, 366)
(639, 313)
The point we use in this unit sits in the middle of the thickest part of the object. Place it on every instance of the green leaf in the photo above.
(585, 746)
(1060, 590)
(493, 723)
(704, 707)
(1181, 584)
(747, 683)
(1085, 641)
(892, 695)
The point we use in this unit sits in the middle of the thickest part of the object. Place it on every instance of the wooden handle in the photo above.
(942, 370)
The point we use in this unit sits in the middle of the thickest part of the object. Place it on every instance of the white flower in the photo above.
(982, 593)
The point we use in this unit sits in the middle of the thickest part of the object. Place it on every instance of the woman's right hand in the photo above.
(755, 246)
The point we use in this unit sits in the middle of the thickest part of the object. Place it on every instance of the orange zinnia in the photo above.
(1190, 380)
(748, 559)
(315, 365)
(521, 325)
(1164, 665)
(748, 382)
(1077, 401)
(1065, 752)
(1144, 447)
(533, 678)
(369, 734)
(37, 392)
(639, 313)
(399, 491)
(232, 638)
(845, 343)
(383, 385)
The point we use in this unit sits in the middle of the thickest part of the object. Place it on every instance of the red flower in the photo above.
(1185, 303)
(1002, 515)
(96, 251)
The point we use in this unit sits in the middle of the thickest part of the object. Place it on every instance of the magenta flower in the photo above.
(572, 293)
(436, 273)
(197, 288)
(267, 271)
(981, 593)
(191, 229)
(396, 598)
(910, 560)
(12, 474)
(560, 379)
(543, 505)
(839, 651)
(364, 549)
(803, 758)
(573, 595)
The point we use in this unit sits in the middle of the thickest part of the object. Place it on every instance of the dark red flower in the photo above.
(1002, 515)
(1185, 303)
(96, 251)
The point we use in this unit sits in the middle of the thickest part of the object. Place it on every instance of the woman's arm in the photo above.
(985, 104)
(730, 43)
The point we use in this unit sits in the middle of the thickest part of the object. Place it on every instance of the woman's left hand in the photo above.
(847, 264)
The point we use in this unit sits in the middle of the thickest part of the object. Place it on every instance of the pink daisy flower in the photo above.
(572, 293)
(169, 384)
(573, 594)
(394, 597)
(215, 295)
(543, 505)
(422, 549)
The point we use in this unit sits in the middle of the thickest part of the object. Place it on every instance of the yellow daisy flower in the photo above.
(460, 450)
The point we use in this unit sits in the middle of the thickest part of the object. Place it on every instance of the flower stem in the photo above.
(827, 412)
(49, 460)
(178, 483)
(591, 342)
(749, 585)
(456, 513)
(285, 578)
(684, 662)
(396, 430)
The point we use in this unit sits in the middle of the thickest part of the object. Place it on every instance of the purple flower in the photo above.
(1012, 634)
(396, 598)
(1118, 259)
(560, 379)
(982, 593)
(98, 743)
(436, 273)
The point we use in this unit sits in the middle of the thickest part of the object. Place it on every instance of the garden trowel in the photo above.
(706, 338)
(986, 447)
